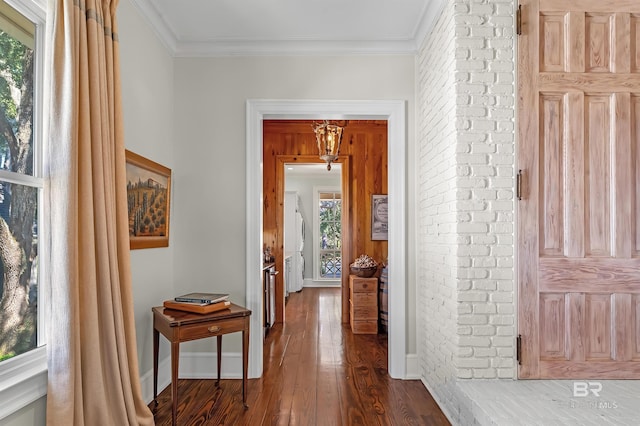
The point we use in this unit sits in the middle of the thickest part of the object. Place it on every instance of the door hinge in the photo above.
(519, 185)
(519, 20)
(519, 349)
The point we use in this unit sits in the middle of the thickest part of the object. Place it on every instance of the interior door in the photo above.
(579, 216)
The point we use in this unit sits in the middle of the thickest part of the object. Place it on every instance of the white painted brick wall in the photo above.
(465, 167)
(436, 169)
(485, 115)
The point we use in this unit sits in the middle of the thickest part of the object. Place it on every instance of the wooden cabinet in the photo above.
(363, 302)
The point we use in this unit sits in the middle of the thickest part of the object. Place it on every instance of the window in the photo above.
(22, 355)
(329, 242)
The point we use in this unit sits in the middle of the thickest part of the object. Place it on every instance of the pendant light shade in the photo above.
(329, 137)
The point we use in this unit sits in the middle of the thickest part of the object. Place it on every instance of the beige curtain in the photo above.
(93, 362)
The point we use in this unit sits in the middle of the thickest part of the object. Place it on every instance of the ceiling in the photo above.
(277, 27)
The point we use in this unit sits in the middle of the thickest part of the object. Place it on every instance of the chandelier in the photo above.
(329, 137)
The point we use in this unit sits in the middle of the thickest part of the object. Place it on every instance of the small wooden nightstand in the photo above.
(363, 301)
(180, 326)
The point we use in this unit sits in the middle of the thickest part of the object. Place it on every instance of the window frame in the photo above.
(316, 232)
(23, 379)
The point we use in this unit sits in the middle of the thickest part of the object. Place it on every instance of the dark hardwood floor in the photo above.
(316, 372)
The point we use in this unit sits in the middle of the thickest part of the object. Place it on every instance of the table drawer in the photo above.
(199, 331)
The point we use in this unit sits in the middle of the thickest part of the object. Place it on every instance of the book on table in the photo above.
(202, 298)
(199, 308)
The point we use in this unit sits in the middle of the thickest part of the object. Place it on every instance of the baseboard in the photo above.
(202, 365)
(308, 282)
(412, 372)
(193, 365)
(164, 379)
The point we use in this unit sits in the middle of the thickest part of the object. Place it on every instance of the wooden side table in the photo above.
(179, 326)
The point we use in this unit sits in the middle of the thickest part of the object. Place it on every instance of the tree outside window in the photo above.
(19, 188)
(330, 222)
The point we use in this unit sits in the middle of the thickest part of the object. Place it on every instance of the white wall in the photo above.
(209, 237)
(148, 105)
(436, 183)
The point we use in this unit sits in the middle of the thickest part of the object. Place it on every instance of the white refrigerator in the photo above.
(294, 241)
(298, 258)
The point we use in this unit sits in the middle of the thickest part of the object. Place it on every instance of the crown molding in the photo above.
(432, 12)
(215, 48)
(293, 48)
(159, 26)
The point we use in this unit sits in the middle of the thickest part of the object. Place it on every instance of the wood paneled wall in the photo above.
(363, 154)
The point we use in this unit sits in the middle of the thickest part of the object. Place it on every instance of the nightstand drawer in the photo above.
(199, 331)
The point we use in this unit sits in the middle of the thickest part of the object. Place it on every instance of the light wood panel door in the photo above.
(579, 216)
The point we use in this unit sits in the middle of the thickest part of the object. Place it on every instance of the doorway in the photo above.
(312, 226)
(394, 112)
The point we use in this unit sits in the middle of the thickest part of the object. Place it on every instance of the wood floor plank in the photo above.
(316, 372)
(303, 407)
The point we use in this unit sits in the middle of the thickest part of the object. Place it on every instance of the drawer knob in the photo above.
(214, 329)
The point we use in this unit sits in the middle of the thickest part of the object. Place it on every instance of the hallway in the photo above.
(316, 372)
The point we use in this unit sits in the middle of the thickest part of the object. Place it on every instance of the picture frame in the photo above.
(148, 202)
(379, 217)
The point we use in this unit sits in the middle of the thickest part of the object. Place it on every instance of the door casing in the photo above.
(394, 111)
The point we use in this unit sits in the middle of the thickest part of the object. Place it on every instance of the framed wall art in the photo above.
(148, 198)
(379, 217)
